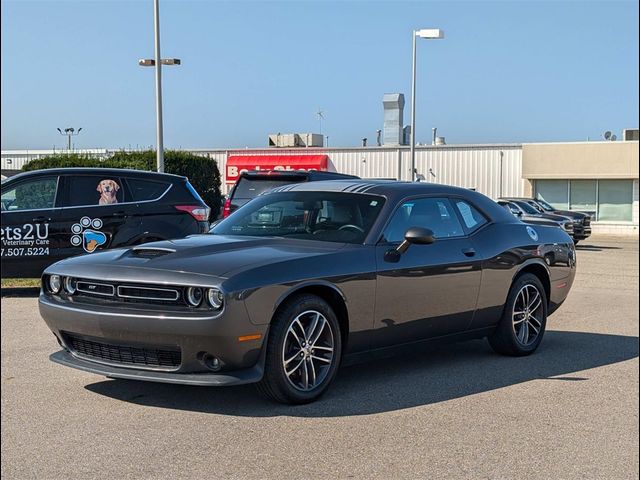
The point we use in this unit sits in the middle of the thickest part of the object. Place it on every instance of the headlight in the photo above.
(55, 283)
(194, 296)
(215, 298)
(69, 285)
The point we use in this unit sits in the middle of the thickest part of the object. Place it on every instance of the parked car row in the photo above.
(537, 211)
(53, 214)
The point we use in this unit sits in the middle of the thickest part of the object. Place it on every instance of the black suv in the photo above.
(581, 220)
(48, 215)
(251, 184)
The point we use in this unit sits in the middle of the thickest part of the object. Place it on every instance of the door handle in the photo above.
(119, 214)
(469, 252)
(41, 219)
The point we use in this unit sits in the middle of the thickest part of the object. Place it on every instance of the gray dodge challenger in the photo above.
(306, 277)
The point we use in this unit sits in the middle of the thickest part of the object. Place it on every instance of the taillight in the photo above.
(226, 209)
(198, 212)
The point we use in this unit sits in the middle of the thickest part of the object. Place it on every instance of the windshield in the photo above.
(545, 206)
(248, 188)
(321, 216)
(527, 208)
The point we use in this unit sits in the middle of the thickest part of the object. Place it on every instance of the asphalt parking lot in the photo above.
(569, 411)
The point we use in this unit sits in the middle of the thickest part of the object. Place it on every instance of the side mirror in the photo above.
(415, 235)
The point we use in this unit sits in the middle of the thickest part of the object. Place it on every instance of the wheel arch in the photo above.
(540, 270)
(330, 294)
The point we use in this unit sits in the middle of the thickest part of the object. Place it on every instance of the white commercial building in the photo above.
(600, 177)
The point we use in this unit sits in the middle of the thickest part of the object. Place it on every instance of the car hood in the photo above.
(553, 217)
(567, 213)
(197, 255)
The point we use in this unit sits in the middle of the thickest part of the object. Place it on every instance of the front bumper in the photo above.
(238, 377)
(121, 331)
(581, 232)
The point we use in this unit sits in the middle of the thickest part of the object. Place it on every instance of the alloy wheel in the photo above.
(308, 350)
(527, 317)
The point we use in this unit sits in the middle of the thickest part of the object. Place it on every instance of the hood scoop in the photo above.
(150, 252)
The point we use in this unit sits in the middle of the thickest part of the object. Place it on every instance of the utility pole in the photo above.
(69, 132)
(157, 62)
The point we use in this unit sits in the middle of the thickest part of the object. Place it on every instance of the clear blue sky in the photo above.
(506, 71)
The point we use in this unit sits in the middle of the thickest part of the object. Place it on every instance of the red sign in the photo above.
(236, 164)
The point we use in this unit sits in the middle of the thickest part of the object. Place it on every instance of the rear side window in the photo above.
(471, 217)
(88, 190)
(142, 190)
(248, 188)
(30, 195)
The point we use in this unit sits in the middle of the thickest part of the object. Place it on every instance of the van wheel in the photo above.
(524, 320)
(303, 351)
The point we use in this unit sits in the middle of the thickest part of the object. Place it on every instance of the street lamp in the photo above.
(429, 34)
(157, 62)
(69, 132)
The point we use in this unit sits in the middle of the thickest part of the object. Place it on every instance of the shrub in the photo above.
(202, 171)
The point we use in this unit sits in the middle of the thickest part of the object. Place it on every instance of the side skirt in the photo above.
(414, 347)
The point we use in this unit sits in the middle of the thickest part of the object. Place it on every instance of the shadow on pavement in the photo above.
(437, 375)
(595, 248)
(8, 292)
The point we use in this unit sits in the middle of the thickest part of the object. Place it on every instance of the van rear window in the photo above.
(248, 188)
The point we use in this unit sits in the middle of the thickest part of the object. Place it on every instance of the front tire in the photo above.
(303, 351)
(524, 320)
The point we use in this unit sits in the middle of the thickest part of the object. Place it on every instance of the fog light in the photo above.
(215, 298)
(211, 362)
(194, 296)
(70, 285)
(54, 283)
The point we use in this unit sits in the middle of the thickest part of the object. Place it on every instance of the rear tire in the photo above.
(524, 320)
(304, 348)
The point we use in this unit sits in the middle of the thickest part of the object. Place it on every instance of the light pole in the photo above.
(158, 62)
(69, 132)
(431, 34)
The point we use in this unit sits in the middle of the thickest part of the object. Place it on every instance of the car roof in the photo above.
(97, 171)
(372, 186)
(312, 174)
(396, 190)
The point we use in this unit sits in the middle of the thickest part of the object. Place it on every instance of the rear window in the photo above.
(472, 218)
(252, 187)
(142, 190)
(94, 190)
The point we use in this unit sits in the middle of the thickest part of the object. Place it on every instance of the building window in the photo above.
(610, 200)
(615, 200)
(583, 195)
(555, 192)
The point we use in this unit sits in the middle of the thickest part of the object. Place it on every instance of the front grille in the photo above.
(150, 356)
(148, 293)
(134, 295)
(95, 288)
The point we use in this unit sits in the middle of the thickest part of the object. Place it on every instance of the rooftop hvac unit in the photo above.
(293, 140)
(629, 134)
